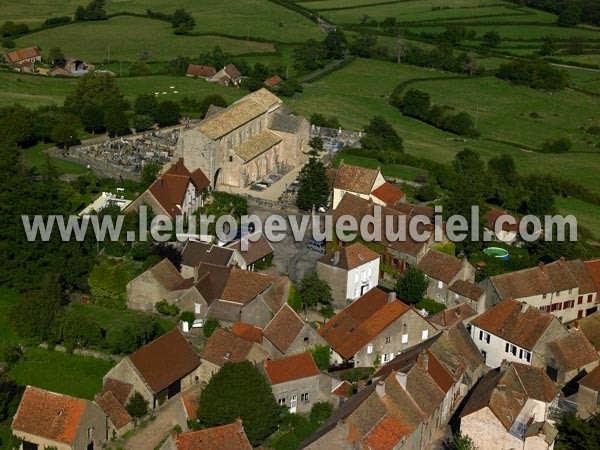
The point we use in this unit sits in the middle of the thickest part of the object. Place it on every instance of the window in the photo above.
(580, 300)
(388, 339)
(440, 285)
(484, 336)
(544, 295)
(510, 348)
(590, 298)
(342, 193)
(305, 397)
(281, 401)
(558, 293)
(306, 340)
(525, 355)
(405, 338)
(370, 269)
(197, 308)
(369, 349)
(424, 334)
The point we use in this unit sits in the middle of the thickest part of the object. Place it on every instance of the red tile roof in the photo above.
(258, 247)
(289, 368)
(449, 316)
(119, 389)
(573, 351)
(592, 379)
(362, 320)
(273, 81)
(388, 193)
(493, 214)
(593, 268)
(248, 332)
(343, 390)
(385, 435)
(195, 70)
(507, 321)
(49, 415)
(283, 328)
(440, 266)
(224, 346)
(113, 409)
(167, 274)
(191, 403)
(355, 179)
(466, 289)
(165, 360)
(351, 257)
(590, 325)
(21, 54)
(225, 437)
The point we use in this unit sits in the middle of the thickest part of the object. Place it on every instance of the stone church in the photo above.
(239, 145)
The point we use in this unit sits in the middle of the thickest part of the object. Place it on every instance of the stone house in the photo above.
(511, 404)
(375, 327)
(443, 270)
(351, 272)
(297, 382)
(450, 316)
(588, 395)
(364, 183)
(159, 370)
(224, 437)
(507, 232)
(46, 419)
(562, 288)
(570, 357)
(409, 400)
(194, 253)
(227, 75)
(195, 70)
(23, 59)
(252, 250)
(287, 334)
(514, 331)
(245, 142)
(119, 421)
(178, 191)
(223, 347)
(152, 286)
(590, 325)
(465, 292)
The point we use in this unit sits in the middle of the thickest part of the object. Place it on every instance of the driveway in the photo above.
(291, 257)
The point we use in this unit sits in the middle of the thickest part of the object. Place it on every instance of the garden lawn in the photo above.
(242, 18)
(124, 37)
(8, 298)
(587, 215)
(79, 376)
(35, 157)
(33, 13)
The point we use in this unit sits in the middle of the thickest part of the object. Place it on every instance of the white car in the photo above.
(198, 323)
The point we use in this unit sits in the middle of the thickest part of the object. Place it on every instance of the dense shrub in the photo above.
(561, 145)
(165, 308)
(535, 74)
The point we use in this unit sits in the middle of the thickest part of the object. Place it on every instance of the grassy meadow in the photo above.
(124, 37)
(76, 375)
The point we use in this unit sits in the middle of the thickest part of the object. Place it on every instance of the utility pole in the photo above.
(476, 115)
(109, 54)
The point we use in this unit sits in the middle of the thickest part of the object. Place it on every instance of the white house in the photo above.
(510, 404)
(513, 331)
(365, 183)
(351, 272)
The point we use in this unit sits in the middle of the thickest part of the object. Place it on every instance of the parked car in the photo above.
(198, 323)
(317, 246)
(257, 187)
(322, 209)
(266, 181)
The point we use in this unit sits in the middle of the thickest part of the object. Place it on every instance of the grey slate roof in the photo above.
(285, 123)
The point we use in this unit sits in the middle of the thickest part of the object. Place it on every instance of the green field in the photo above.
(35, 157)
(79, 376)
(391, 170)
(8, 298)
(587, 214)
(523, 32)
(34, 12)
(243, 18)
(124, 37)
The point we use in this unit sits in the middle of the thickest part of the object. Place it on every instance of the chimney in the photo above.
(423, 360)
(336, 257)
(380, 388)
(391, 296)
(457, 311)
(401, 378)
(239, 425)
(541, 266)
(576, 325)
(196, 273)
(160, 182)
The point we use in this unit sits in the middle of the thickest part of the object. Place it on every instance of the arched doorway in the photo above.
(216, 178)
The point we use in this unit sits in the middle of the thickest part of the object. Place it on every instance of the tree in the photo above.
(210, 325)
(64, 134)
(320, 412)
(335, 44)
(459, 441)
(412, 285)
(167, 113)
(491, 39)
(182, 21)
(569, 16)
(576, 433)
(92, 118)
(178, 66)
(115, 120)
(108, 280)
(8, 43)
(57, 57)
(145, 104)
(416, 103)
(137, 406)
(79, 330)
(380, 135)
(142, 122)
(576, 45)
(320, 354)
(549, 46)
(313, 291)
(314, 188)
(150, 172)
(17, 126)
(309, 56)
(461, 124)
(363, 44)
(97, 89)
(137, 333)
(188, 316)
(139, 69)
(212, 99)
(240, 390)
(561, 145)
(166, 309)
